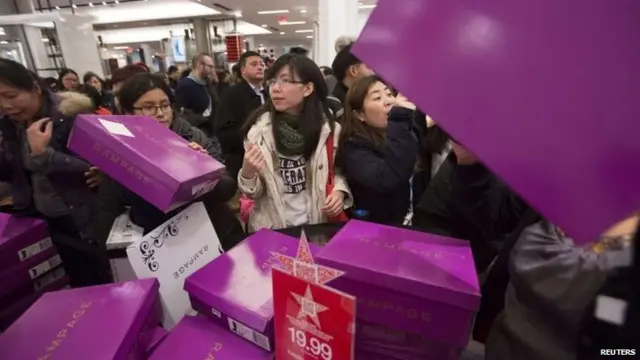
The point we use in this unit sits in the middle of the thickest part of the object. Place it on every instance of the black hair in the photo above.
(326, 71)
(62, 74)
(50, 83)
(315, 110)
(298, 50)
(343, 61)
(185, 73)
(90, 75)
(172, 69)
(14, 74)
(242, 62)
(139, 84)
(235, 70)
(92, 93)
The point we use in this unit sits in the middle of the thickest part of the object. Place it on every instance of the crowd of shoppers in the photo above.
(302, 145)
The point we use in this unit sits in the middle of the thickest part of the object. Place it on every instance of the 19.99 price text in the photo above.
(310, 344)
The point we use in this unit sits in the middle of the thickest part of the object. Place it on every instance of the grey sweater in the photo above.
(552, 283)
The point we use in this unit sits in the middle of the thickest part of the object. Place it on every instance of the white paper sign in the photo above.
(116, 128)
(171, 253)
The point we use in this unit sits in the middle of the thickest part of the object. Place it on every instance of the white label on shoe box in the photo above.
(34, 249)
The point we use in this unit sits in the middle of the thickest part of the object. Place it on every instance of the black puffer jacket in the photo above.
(113, 198)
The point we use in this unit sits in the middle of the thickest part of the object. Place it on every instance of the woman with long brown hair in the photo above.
(378, 150)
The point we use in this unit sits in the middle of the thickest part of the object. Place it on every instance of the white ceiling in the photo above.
(109, 14)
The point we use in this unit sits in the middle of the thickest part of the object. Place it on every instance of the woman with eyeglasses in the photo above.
(288, 151)
(145, 94)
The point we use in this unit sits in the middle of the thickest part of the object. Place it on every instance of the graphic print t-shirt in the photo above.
(292, 170)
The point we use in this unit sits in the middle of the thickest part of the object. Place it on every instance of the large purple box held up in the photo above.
(235, 289)
(104, 322)
(407, 280)
(197, 338)
(21, 239)
(145, 157)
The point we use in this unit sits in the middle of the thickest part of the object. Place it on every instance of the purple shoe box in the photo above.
(401, 345)
(407, 280)
(11, 311)
(23, 275)
(145, 157)
(39, 285)
(153, 338)
(198, 338)
(235, 289)
(104, 322)
(22, 240)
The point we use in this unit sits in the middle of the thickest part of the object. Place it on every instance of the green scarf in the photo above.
(289, 141)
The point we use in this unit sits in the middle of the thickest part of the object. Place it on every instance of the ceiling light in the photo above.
(74, 6)
(90, 4)
(304, 31)
(273, 12)
(57, 7)
(366, 6)
(264, 25)
(117, 2)
(303, 11)
(292, 22)
(309, 36)
(281, 32)
(104, 3)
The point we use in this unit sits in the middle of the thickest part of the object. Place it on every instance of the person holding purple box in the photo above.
(45, 179)
(146, 94)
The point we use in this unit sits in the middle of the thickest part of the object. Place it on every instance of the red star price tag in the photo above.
(312, 321)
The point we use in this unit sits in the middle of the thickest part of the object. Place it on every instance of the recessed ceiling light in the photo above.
(303, 11)
(74, 6)
(281, 32)
(309, 36)
(104, 3)
(264, 25)
(117, 2)
(57, 7)
(304, 31)
(292, 22)
(267, 12)
(90, 4)
(366, 6)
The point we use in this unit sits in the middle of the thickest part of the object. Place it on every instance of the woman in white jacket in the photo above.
(286, 164)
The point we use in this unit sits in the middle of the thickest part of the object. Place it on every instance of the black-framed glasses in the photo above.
(282, 82)
(150, 110)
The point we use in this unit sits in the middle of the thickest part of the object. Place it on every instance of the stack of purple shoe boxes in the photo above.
(107, 322)
(417, 294)
(31, 265)
(233, 295)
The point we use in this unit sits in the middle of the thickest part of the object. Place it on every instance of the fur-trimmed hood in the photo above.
(72, 103)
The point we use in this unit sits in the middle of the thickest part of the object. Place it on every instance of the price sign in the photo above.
(312, 321)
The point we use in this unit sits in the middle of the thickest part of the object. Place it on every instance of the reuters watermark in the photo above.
(618, 352)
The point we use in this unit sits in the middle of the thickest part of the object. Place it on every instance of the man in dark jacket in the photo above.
(237, 103)
(196, 94)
